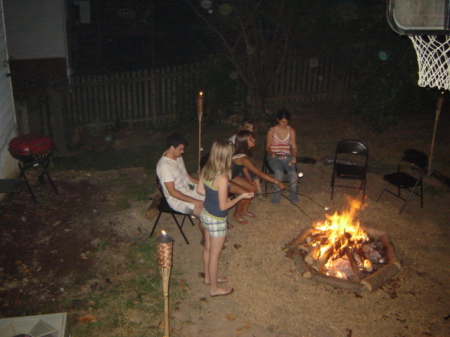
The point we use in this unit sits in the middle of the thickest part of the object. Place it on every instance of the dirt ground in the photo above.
(44, 246)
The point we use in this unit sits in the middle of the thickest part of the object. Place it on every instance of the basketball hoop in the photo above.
(426, 22)
(433, 54)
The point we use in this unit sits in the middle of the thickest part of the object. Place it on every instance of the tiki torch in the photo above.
(200, 103)
(440, 102)
(165, 245)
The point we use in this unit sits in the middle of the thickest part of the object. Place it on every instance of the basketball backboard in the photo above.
(419, 17)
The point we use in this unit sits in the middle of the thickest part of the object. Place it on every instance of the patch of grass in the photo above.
(122, 306)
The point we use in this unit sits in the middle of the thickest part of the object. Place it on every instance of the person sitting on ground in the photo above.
(179, 187)
(242, 158)
(214, 184)
(281, 148)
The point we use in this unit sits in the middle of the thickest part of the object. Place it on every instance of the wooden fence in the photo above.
(163, 95)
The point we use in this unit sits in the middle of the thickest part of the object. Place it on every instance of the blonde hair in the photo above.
(219, 161)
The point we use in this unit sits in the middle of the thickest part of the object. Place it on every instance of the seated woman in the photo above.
(245, 142)
(247, 124)
(281, 147)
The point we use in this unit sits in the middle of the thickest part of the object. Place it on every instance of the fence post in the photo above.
(55, 106)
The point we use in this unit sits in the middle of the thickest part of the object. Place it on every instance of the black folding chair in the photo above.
(407, 175)
(164, 207)
(350, 162)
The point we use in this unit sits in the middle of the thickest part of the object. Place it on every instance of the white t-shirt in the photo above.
(174, 170)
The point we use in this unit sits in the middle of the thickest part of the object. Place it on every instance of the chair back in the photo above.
(416, 157)
(352, 146)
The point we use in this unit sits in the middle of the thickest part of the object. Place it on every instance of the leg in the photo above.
(293, 182)
(276, 166)
(238, 186)
(215, 250)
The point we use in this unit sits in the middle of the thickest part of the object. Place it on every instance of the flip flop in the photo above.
(241, 221)
(224, 293)
(250, 215)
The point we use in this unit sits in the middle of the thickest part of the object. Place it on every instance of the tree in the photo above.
(256, 36)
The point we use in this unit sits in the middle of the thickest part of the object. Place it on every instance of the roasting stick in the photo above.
(300, 175)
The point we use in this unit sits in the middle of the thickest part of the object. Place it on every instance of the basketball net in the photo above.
(434, 70)
(433, 54)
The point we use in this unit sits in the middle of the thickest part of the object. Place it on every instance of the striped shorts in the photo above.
(216, 228)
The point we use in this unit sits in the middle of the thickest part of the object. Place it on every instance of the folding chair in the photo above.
(350, 162)
(164, 207)
(415, 164)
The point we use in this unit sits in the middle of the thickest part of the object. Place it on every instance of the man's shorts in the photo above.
(216, 228)
(183, 206)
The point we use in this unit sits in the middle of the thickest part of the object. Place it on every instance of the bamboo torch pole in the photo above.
(440, 102)
(165, 247)
(200, 103)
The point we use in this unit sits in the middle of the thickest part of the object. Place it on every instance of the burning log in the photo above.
(381, 276)
(311, 254)
(365, 261)
(353, 264)
(323, 259)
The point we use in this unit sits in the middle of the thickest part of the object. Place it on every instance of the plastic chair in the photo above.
(350, 162)
(415, 164)
(164, 207)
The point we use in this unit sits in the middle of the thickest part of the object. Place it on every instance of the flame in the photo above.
(336, 236)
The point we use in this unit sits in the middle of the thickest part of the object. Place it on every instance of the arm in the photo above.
(221, 184)
(293, 146)
(193, 179)
(247, 175)
(181, 196)
(201, 187)
(252, 168)
(269, 138)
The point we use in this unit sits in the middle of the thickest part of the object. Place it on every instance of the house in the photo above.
(8, 165)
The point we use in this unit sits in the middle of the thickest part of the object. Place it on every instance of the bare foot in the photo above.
(219, 280)
(221, 292)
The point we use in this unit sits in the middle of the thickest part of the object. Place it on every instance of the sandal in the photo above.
(250, 215)
(241, 221)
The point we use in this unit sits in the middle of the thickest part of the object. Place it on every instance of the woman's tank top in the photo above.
(211, 203)
(281, 146)
(235, 168)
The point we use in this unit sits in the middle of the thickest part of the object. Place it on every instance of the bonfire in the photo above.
(341, 253)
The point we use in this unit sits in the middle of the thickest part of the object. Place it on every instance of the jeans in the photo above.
(279, 167)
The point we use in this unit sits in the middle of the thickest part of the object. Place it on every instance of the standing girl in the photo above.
(214, 184)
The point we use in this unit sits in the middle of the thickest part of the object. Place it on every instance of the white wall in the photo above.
(35, 28)
(8, 165)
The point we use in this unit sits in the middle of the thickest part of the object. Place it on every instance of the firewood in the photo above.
(312, 254)
(381, 276)
(336, 282)
(323, 259)
(353, 264)
(389, 250)
(299, 263)
(301, 238)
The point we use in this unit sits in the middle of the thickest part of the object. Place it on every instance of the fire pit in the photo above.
(341, 253)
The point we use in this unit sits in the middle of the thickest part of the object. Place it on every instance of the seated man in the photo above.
(180, 188)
